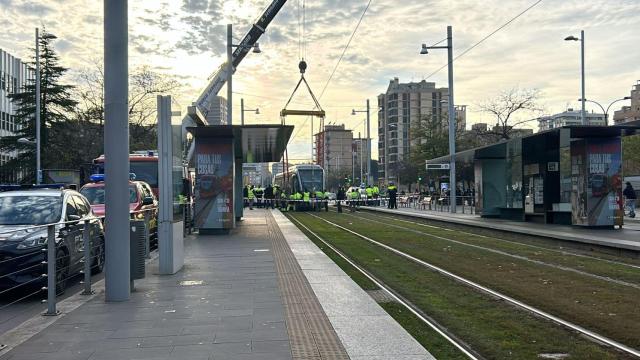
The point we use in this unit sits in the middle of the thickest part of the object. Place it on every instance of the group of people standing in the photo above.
(275, 197)
(355, 197)
(351, 196)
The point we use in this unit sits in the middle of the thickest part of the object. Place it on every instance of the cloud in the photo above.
(187, 39)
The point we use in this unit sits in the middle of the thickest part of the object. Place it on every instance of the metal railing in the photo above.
(45, 271)
(466, 204)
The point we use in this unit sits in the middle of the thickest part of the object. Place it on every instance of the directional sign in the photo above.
(437, 166)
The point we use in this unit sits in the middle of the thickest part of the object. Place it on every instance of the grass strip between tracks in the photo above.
(423, 333)
(606, 308)
(494, 329)
(593, 265)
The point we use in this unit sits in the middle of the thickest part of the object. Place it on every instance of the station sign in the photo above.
(438, 166)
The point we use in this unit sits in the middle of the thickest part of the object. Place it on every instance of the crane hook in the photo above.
(302, 66)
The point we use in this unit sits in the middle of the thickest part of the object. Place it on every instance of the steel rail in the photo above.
(463, 348)
(531, 309)
(508, 254)
(563, 252)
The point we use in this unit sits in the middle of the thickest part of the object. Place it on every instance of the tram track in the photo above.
(441, 330)
(504, 253)
(561, 252)
(601, 339)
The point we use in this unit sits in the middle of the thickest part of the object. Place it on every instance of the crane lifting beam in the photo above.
(318, 113)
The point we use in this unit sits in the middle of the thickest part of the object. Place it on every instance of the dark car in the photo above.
(23, 242)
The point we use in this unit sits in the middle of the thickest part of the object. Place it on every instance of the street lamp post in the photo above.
(581, 39)
(230, 46)
(368, 111)
(38, 99)
(452, 118)
(606, 112)
(242, 111)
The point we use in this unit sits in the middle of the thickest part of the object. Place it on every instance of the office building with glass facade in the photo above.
(13, 76)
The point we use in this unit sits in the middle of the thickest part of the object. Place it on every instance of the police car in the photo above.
(22, 241)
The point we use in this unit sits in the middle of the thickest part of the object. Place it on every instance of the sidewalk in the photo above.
(239, 296)
(627, 238)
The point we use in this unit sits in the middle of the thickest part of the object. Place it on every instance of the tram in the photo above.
(309, 177)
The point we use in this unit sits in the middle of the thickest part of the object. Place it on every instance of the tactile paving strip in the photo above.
(310, 332)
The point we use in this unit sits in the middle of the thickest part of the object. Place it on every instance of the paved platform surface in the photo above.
(364, 328)
(240, 296)
(627, 238)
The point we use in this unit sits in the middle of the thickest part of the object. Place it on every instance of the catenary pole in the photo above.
(369, 178)
(452, 126)
(229, 74)
(116, 146)
(583, 114)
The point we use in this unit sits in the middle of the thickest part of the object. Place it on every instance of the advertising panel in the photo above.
(214, 183)
(597, 182)
(578, 183)
(604, 182)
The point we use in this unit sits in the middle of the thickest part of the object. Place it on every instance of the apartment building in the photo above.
(400, 106)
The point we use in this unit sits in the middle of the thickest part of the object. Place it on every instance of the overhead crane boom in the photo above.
(197, 113)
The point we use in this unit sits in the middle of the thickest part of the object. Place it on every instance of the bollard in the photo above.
(86, 243)
(51, 271)
(147, 241)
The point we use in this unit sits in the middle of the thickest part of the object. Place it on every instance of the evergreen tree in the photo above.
(55, 106)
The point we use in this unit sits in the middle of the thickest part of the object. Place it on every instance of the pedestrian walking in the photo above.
(630, 196)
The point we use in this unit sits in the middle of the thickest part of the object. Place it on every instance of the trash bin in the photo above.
(137, 237)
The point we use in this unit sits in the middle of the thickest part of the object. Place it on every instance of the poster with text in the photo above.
(578, 183)
(214, 183)
(604, 182)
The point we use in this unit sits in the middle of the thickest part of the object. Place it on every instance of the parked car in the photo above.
(141, 198)
(22, 242)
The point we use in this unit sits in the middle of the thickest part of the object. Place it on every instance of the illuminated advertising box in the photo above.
(214, 163)
(596, 169)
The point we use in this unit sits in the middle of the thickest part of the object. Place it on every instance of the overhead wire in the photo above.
(344, 50)
(484, 38)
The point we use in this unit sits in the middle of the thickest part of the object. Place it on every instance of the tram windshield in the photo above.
(311, 179)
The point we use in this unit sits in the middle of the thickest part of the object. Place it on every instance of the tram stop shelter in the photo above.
(220, 151)
(568, 175)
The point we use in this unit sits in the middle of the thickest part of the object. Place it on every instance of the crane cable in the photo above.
(344, 50)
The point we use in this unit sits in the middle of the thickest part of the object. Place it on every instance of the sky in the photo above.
(186, 39)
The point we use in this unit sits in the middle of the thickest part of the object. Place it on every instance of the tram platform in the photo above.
(263, 291)
(625, 240)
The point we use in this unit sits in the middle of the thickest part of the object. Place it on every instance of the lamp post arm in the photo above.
(615, 101)
(597, 103)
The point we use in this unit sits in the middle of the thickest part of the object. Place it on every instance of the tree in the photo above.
(56, 105)
(506, 105)
(429, 140)
(631, 155)
(144, 85)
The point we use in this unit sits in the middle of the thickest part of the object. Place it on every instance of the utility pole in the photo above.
(361, 156)
(583, 113)
(38, 99)
(369, 178)
(229, 74)
(242, 111)
(452, 126)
